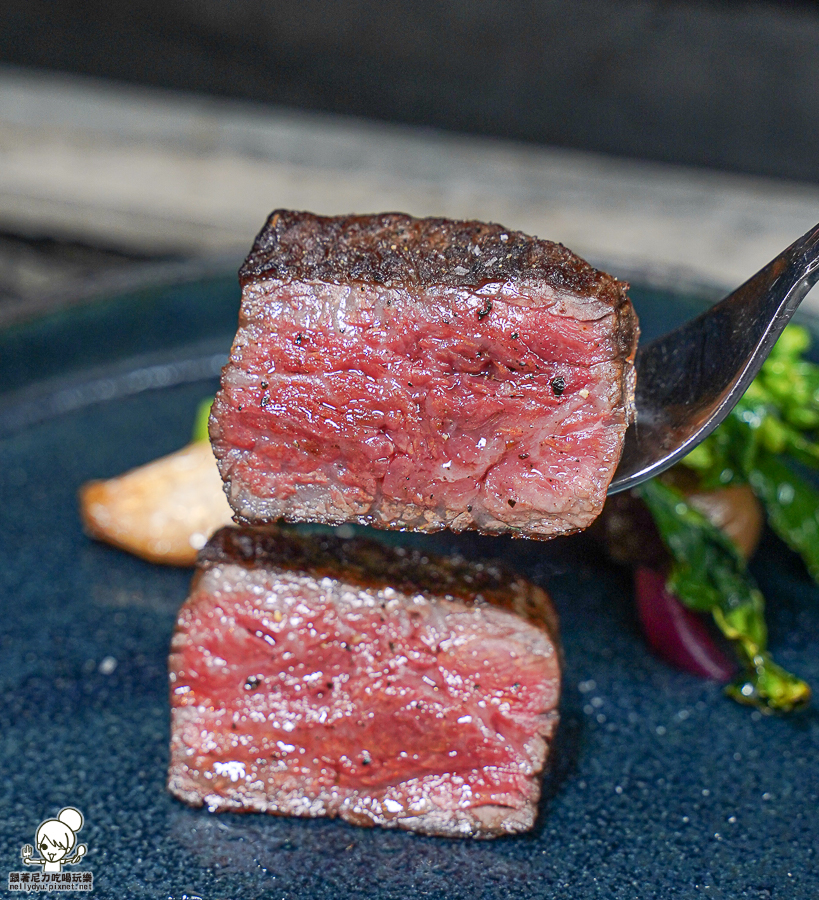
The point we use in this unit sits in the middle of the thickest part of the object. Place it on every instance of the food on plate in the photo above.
(707, 573)
(163, 511)
(701, 543)
(316, 677)
(770, 434)
(422, 374)
(631, 537)
(678, 634)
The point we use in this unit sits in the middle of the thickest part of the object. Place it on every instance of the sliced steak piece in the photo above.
(315, 677)
(421, 374)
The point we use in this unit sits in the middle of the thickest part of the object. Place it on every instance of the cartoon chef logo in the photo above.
(55, 847)
(56, 842)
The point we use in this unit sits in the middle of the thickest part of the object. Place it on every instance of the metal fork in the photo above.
(689, 380)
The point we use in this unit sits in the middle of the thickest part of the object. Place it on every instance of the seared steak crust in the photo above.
(314, 677)
(396, 250)
(371, 565)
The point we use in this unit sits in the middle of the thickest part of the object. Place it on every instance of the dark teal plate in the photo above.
(660, 787)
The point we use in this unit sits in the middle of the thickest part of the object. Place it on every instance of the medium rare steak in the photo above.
(315, 677)
(421, 374)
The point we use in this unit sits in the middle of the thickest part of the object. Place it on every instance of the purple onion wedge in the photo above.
(678, 635)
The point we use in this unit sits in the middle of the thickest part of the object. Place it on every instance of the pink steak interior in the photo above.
(499, 407)
(305, 696)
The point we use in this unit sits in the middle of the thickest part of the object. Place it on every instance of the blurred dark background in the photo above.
(732, 85)
(725, 88)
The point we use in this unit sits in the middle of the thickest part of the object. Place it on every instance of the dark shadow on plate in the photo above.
(563, 754)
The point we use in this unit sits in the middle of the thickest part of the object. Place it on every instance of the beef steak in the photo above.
(315, 677)
(422, 374)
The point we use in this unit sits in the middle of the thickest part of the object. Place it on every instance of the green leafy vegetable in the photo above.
(792, 507)
(777, 418)
(708, 574)
(200, 421)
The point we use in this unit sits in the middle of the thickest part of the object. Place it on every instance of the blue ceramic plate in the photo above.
(659, 787)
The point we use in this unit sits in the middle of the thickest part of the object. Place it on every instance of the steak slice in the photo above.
(315, 677)
(422, 374)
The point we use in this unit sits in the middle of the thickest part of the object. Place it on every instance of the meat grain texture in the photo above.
(315, 677)
(423, 374)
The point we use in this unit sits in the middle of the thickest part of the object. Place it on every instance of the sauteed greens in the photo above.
(770, 434)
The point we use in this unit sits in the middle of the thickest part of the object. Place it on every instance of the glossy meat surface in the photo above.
(300, 692)
(405, 390)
